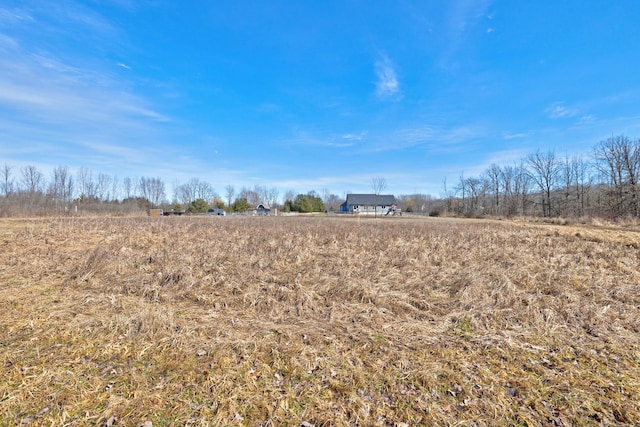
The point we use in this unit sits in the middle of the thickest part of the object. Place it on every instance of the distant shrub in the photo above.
(198, 206)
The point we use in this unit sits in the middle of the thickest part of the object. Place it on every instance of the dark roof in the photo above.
(370, 199)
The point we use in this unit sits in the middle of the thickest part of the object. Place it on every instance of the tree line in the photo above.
(603, 183)
(28, 191)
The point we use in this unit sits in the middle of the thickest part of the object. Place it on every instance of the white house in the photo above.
(369, 204)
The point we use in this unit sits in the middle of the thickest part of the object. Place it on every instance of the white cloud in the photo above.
(13, 16)
(508, 135)
(437, 138)
(43, 89)
(68, 112)
(133, 106)
(21, 96)
(467, 13)
(7, 43)
(387, 85)
(73, 14)
(120, 64)
(505, 157)
(355, 136)
(558, 110)
(463, 21)
(311, 139)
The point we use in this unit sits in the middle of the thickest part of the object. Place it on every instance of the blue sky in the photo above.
(312, 95)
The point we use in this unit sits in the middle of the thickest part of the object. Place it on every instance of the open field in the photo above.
(317, 321)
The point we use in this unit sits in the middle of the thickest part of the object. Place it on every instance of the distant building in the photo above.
(263, 210)
(369, 204)
(217, 212)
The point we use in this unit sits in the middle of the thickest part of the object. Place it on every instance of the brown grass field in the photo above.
(317, 321)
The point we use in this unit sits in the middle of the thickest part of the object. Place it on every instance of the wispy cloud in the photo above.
(558, 110)
(436, 138)
(45, 89)
(505, 157)
(73, 13)
(387, 85)
(125, 66)
(7, 43)
(12, 16)
(463, 18)
(466, 13)
(355, 136)
(321, 139)
(509, 135)
(66, 108)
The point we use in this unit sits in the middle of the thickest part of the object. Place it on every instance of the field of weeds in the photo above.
(317, 321)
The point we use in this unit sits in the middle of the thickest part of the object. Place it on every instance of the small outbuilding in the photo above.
(369, 204)
(263, 210)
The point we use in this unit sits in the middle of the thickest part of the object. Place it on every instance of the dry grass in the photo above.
(325, 321)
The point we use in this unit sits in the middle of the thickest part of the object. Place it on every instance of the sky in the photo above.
(305, 95)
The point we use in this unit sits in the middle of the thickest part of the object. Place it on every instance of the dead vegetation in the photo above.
(318, 321)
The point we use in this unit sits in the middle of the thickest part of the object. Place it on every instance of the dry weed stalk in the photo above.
(280, 321)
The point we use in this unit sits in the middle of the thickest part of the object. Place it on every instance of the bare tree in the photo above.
(566, 173)
(193, 190)
(272, 195)
(618, 160)
(332, 202)
(115, 188)
(289, 195)
(576, 185)
(183, 194)
(494, 174)
(204, 190)
(61, 186)
(102, 184)
(378, 185)
(462, 189)
(515, 188)
(325, 195)
(152, 189)
(127, 186)
(262, 192)
(544, 171)
(6, 180)
(509, 199)
(583, 183)
(157, 191)
(447, 195)
(473, 190)
(522, 185)
(230, 191)
(85, 184)
(251, 196)
(32, 186)
(32, 180)
(631, 159)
